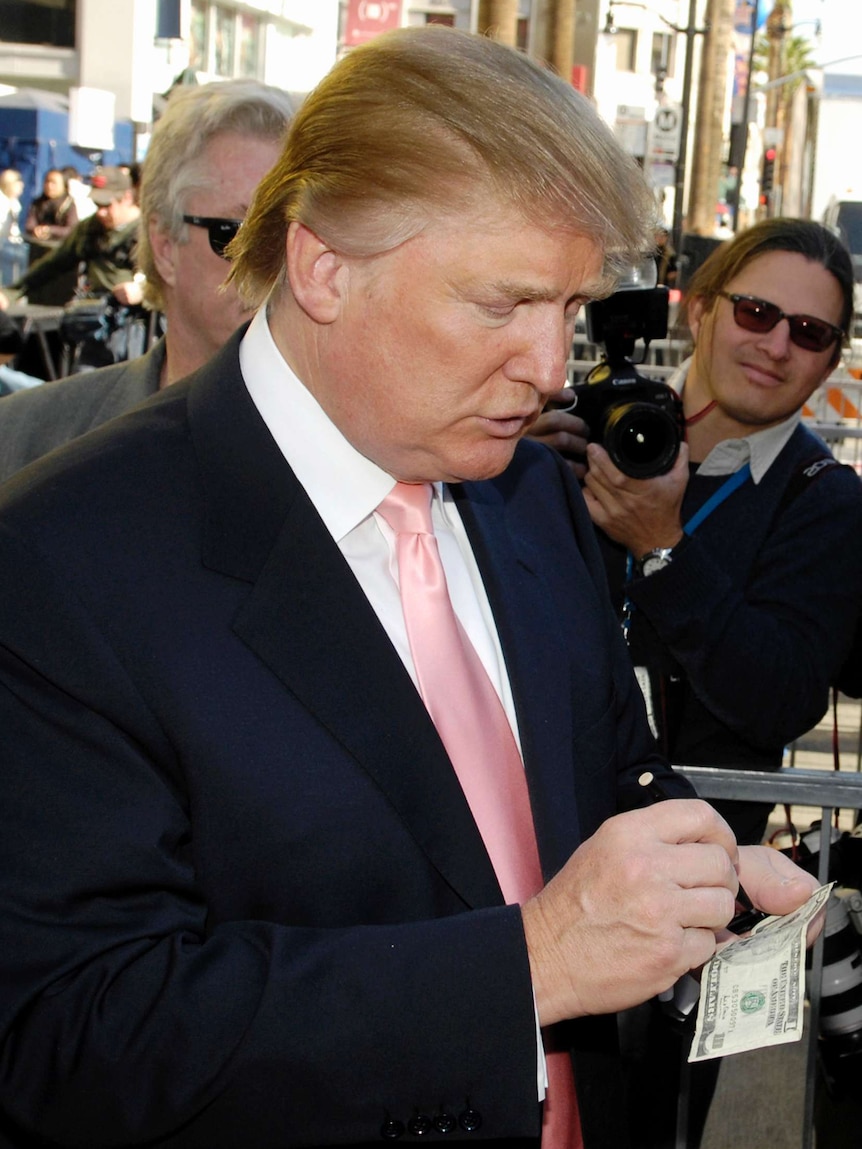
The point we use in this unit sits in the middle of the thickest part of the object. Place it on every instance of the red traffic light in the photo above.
(769, 155)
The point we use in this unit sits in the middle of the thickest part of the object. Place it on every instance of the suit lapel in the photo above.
(536, 662)
(308, 619)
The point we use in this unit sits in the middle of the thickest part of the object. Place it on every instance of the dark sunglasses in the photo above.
(220, 231)
(752, 314)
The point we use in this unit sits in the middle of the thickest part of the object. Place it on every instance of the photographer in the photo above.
(737, 572)
(743, 618)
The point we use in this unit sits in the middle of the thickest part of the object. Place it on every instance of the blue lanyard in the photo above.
(726, 489)
(717, 498)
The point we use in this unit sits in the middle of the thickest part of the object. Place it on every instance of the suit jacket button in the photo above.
(444, 1122)
(470, 1120)
(392, 1130)
(419, 1125)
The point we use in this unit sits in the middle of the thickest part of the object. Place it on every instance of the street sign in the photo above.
(630, 129)
(665, 133)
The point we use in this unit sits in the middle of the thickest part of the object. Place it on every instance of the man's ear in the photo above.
(317, 274)
(164, 249)
(696, 311)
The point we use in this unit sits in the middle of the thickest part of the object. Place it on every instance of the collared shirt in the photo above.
(760, 449)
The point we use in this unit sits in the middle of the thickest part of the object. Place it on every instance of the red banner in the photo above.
(367, 18)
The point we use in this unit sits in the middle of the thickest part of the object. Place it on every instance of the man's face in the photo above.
(446, 348)
(198, 312)
(53, 187)
(118, 212)
(760, 380)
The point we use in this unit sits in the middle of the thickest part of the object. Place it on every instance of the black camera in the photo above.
(639, 421)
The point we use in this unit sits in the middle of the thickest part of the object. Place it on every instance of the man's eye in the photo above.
(498, 310)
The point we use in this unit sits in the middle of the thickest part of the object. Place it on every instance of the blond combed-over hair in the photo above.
(423, 121)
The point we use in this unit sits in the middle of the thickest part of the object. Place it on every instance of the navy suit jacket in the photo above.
(243, 901)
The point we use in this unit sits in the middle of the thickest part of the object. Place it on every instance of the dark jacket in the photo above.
(748, 626)
(242, 898)
(34, 422)
(60, 215)
(107, 256)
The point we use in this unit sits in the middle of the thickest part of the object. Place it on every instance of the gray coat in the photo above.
(35, 421)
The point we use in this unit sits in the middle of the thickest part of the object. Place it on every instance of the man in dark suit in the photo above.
(245, 901)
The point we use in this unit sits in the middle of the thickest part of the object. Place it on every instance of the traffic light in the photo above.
(767, 175)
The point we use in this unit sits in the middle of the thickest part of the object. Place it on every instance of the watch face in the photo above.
(655, 563)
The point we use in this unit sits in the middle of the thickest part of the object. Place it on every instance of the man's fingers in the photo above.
(688, 820)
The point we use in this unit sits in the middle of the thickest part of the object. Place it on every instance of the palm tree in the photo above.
(796, 58)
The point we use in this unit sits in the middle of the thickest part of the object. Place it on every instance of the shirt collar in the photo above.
(344, 486)
(760, 449)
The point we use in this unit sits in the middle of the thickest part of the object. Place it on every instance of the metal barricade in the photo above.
(831, 791)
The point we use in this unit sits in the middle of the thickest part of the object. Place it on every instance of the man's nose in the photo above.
(776, 343)
(542, 361)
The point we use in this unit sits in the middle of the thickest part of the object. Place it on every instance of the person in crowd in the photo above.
(80, 192)
(53, 214)
(320, 793)
(207, 154)
(13, 248)
(736, 575)
(100, 246)
(11, 188)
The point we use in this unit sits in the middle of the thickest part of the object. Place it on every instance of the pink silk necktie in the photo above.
(473, 726)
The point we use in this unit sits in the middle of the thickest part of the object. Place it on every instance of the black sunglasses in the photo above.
(752, 314)
(220, 231)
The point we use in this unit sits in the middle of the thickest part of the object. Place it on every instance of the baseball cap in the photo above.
(108, 184)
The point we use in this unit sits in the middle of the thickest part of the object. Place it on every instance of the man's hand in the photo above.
(635, 907)
(563, 430)
(4, 301)
(639, 513)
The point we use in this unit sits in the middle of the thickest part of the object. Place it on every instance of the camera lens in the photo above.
(641, 439)
(841, 1004)
(840, 1044)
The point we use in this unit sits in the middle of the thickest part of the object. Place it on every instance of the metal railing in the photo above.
(831, 791)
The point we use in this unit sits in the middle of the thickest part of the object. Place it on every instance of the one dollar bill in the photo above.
(752, 991)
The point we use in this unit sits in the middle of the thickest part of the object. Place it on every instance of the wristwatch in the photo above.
(655, 560)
